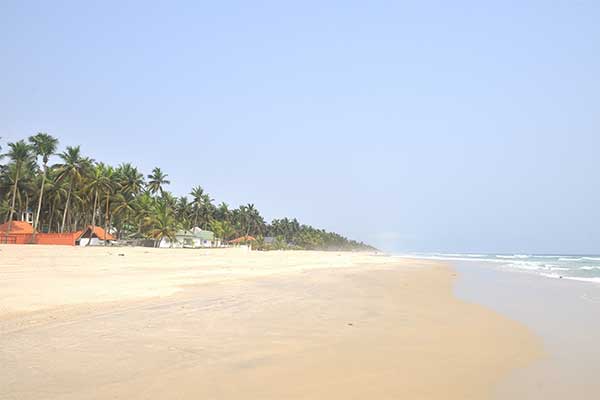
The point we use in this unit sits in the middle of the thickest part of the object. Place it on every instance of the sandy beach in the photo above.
(138, 323)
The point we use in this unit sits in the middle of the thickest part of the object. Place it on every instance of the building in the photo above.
(243, 240)
(194, 238)
(95, 237)
(21, 232)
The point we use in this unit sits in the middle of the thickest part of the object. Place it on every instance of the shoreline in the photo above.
(559, 311)
(253, 325)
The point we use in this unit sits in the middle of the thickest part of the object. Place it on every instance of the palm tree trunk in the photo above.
(64, 218)
(39, 207)
(14, 197)
(93, 216)
(106, 218)
(26, 203)
(52, 209)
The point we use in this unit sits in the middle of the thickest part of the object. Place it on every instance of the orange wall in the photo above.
(15, 238)
(67, 239)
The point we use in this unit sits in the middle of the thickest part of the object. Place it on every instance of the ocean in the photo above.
(574, 267)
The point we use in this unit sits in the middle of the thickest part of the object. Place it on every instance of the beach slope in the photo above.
(107, 323)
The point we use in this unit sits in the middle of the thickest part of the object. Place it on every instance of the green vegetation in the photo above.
(79, 191)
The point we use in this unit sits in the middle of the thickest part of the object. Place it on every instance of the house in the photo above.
(21, 232)
(205, 238)
(243, 240)
(191, 239)
(79, 238)
(92, 237)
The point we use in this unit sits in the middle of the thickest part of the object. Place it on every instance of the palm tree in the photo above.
(165, 225)
(19, 154)
(183, 210)
(197, 194)
(222, 212)
(222, 229)
(124, 208)
(108, 186)
(250, 220)
(144, 206)
(157, 179)
(130, 180)
(96, 183)
(56, 193)
(206, 210)
(73, 168)
(44, 146)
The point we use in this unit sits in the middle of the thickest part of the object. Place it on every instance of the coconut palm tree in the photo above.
(24, 176)
(164, 224)
(96, 184)
(130, 180)
(157, 181)
(206, 211)
(222, 212)
(56, 193)
(43, 146)
(197, 194)
(144, 208)
(250, 220)
(73, 169)
(108, 187)
(183, 211)
(20, 154)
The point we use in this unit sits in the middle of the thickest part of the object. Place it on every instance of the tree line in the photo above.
(79, 191)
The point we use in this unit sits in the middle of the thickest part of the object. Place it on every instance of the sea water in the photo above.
(573, 267)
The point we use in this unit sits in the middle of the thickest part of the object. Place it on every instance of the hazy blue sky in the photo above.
(418, 126)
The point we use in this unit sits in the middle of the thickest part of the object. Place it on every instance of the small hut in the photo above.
(20, 232)
(243, 240)
(92, 237)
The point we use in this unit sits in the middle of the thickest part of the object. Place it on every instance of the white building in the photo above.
(191, 239)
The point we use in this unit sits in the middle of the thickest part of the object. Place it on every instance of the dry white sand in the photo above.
(86, 323)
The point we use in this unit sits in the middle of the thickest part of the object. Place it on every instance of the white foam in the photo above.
(513, 256)
(561, 269)
(590, 268)
(556, 276)
(455, 255)
(572, 278)
(526, 265)
(449, 258)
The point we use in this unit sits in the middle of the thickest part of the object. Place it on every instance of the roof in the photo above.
(99, 232)
(242, 239)
(17, 228)
(195, 233)
(204, 235)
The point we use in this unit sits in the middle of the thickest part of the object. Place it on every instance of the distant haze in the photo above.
(432, 126)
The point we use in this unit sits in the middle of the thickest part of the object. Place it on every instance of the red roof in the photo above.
(98, 231)
(243, 239)
(17, 228)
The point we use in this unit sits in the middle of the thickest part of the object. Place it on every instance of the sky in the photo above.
(426, 126)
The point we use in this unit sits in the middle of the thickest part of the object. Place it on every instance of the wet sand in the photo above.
(83, 323)
(562, 313)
